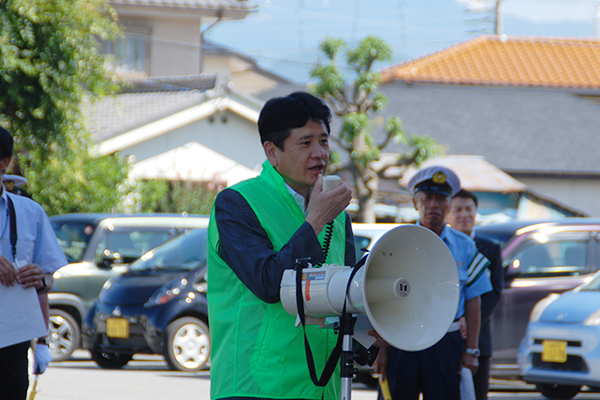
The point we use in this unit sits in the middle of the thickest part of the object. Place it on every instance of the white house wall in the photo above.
(581, 194)
(227, 133)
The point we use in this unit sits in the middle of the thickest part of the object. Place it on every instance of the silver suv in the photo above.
(98, 247)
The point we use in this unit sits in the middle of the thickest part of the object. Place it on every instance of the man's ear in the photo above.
(414, 200)
(271, 153)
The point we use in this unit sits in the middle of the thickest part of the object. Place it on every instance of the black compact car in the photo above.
(158, 306)
(98, 247)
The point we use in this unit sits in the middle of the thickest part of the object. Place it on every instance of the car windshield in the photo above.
(73, 238)
(185, 252)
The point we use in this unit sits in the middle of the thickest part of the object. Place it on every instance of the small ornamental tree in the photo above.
(363, 133)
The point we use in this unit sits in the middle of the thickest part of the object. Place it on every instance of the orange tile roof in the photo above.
(508, 61)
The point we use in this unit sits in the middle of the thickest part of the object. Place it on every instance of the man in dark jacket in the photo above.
(463, 211)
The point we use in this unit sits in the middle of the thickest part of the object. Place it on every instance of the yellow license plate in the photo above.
(554, 351)
(117, 328)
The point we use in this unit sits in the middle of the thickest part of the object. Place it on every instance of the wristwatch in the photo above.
(474, 352)
(43, 283)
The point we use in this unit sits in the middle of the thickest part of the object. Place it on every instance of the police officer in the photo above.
(435, 371)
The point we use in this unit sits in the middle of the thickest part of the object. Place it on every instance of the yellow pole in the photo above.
(385, 388)
(33, 391)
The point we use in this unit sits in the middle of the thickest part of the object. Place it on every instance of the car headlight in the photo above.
(167, 293)
(593, 320)
(541, 305)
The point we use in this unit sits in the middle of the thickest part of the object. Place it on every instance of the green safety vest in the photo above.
(257, 351)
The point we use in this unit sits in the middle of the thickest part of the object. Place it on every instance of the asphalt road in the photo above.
(148, 378)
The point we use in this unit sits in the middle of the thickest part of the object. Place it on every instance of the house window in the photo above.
(132, 52)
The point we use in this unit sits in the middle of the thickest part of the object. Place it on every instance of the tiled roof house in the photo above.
(179, 128)
(508, 61)
(171, 121)
(529, 105)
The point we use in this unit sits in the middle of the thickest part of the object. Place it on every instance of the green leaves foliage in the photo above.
(50, 61)
(178, 197)
(423, 148)
(73, 181)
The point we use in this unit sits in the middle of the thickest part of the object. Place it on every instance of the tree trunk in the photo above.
(366, 193)
(366, 210)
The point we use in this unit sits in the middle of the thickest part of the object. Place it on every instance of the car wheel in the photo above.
(110, 360)
(558, 392)
(63, 334)
(188, 344)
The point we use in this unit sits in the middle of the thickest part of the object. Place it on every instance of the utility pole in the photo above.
(497, 24)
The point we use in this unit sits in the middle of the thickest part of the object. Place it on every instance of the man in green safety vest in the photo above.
(258, 228)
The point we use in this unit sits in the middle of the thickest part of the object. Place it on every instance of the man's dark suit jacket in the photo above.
(489, 300)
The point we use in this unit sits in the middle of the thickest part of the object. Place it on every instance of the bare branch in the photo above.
(345, 146)
(387, 139)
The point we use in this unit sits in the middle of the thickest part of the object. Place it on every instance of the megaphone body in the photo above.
(408, 288)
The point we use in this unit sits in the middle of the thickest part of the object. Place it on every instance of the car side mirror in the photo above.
(511, 271)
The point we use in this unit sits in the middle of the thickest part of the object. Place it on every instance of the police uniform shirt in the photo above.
(472, 266)
(36, 243)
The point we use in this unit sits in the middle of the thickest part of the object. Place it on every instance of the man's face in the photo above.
(433, 208)
(305, 155)
(463, 212)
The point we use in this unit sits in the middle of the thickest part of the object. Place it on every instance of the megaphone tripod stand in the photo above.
(347, 322)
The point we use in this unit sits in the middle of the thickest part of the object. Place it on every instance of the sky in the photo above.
(283, 35)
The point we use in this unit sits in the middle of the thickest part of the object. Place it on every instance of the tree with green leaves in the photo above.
(50, 60)
(357, 103)
(178, 196)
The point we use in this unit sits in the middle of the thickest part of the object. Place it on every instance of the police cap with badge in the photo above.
(435, 180)
(12, 182)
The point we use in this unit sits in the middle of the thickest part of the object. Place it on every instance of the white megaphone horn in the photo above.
(408, 288)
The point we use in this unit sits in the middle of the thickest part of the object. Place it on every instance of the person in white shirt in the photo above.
(27, 241)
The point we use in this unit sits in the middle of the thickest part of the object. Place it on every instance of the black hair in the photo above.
(6, 144)
(465, 194)
(282, 114)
